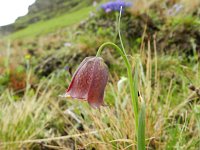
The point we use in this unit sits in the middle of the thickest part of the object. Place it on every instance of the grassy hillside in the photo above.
(43, 10)
(54, 24)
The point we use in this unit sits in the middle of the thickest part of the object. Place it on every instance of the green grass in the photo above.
(170, 118)
(172, 115)
(52, 25)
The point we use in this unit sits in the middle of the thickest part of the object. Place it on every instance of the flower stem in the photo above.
(130, 78)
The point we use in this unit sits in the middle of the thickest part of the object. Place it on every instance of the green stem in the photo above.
(130, 77)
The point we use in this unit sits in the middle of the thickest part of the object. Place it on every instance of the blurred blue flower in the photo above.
(115, 5)
(175, 9)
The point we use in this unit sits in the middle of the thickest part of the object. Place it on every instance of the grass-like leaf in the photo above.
(141, 128)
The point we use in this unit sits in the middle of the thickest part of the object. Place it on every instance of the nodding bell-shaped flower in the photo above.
(89, 81)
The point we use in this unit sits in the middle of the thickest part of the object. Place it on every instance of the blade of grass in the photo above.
(54, 138)
(141, 128)
(135, 84)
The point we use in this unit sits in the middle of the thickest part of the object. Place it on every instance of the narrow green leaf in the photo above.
(141, 128)
(135, 82)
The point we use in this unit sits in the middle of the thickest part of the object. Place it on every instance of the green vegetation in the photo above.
(52, 25)
(163, 50)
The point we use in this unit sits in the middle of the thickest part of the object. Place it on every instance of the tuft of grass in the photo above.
(23, 119)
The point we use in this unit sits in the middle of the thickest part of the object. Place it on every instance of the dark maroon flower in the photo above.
(89, 81)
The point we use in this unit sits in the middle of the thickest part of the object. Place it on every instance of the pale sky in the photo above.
(11, 9)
